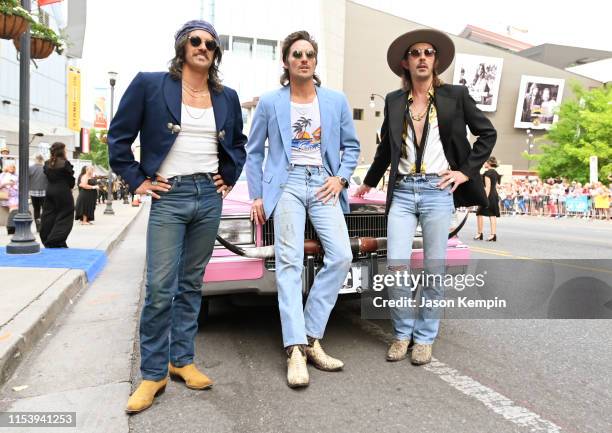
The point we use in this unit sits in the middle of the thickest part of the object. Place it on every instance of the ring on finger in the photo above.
(154, 183)
(149, 192)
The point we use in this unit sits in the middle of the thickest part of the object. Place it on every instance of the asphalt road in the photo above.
(488, 375)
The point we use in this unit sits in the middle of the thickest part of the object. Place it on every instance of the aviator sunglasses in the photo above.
(416, 52)
(299, 54)
(196, 41)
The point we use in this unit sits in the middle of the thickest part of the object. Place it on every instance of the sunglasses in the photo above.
(416, 52)
(196, 41)
(299, 54)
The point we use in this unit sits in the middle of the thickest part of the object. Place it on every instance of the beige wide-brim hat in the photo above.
(445, 49)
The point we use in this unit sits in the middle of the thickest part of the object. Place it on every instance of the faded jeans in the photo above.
(417, 198)
(296, 202)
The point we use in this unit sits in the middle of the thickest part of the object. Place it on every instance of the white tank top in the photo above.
(195, 150)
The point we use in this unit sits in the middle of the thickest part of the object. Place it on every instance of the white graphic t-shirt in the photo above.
(306, 141)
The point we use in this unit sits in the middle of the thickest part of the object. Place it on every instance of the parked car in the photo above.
(231, 273)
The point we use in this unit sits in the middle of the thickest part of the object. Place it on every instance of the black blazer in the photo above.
(150, 106)
(455, 109)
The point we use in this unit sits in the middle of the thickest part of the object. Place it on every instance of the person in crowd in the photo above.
(491, 180)
(4, 156)
(58, 209)
(192, 153)
(38, 187)
(9, 192)
(88, 193)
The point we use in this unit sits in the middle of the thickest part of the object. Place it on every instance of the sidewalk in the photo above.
(34, 289)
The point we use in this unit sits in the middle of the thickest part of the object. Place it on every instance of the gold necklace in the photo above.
(192, 116)
(418, 117)
(195, 96)
(192, 89)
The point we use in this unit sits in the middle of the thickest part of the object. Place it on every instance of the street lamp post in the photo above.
(529, 148)
(112, 76)
(23, 241)
(372, 103)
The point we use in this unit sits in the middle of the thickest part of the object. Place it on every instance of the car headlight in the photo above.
(238, 231)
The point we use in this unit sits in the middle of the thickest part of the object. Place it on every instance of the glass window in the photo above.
(224, 39)
(266, 49)
(242, 46)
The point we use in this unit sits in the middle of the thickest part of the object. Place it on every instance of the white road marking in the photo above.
(493, 400)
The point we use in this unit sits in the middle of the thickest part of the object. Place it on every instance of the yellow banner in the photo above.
(74, 98)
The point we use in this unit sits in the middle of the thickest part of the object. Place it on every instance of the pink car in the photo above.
(230, 273)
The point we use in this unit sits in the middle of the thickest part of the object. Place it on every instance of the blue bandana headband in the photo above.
(190, 26)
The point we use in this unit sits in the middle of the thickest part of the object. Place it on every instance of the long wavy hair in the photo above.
(58, 154)
(176, 64)
(301, 35)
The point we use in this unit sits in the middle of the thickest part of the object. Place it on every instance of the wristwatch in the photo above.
(343, 181)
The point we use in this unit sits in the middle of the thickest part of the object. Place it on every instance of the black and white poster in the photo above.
(538, 102)
(481, 75)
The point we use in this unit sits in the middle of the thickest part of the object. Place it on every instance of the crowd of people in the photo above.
(556, 198)
(51, 185)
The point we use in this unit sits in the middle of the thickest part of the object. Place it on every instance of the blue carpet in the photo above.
(90, 261)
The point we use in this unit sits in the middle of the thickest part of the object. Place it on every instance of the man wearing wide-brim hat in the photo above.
(433, 169)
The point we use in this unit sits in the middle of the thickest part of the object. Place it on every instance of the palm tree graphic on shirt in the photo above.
(302, 139)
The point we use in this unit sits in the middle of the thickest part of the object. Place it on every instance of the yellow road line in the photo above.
(506, 254)
(487, 250)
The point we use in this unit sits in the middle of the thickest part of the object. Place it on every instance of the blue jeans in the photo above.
(181, 235)
(298, 200)
(418, 199)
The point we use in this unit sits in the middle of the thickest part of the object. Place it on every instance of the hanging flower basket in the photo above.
(39, 48)
(44, 41)
(12, 26)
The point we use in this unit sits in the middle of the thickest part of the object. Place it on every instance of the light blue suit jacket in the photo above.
(272, 121)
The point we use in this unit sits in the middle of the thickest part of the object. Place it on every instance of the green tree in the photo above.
(99, 149)
(584, 129)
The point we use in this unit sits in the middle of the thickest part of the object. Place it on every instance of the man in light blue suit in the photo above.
(305, 174)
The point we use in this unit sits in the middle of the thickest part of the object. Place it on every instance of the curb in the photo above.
(30, 325)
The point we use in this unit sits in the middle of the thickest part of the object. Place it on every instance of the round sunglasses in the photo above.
(196, 41)
(297, 54)
(416, 52)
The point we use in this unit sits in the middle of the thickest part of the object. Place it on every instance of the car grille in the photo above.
(359, 225)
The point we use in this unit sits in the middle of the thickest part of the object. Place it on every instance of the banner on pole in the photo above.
(74, 99)
(100, 121)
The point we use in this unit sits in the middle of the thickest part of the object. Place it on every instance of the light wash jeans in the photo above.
(296, 202)
(417, 198)
(181, 235)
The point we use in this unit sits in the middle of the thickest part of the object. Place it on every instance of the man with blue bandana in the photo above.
(192, 153)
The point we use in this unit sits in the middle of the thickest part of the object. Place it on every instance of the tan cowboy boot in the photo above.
(297, 372)
(321, 360)
(143, 397)
(421, 354)
(193, 378)
(398, 350)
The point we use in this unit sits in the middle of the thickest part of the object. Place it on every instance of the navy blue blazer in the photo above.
(150, 106)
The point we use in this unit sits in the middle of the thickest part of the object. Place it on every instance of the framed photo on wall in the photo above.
(481, 75)
(538, 102)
